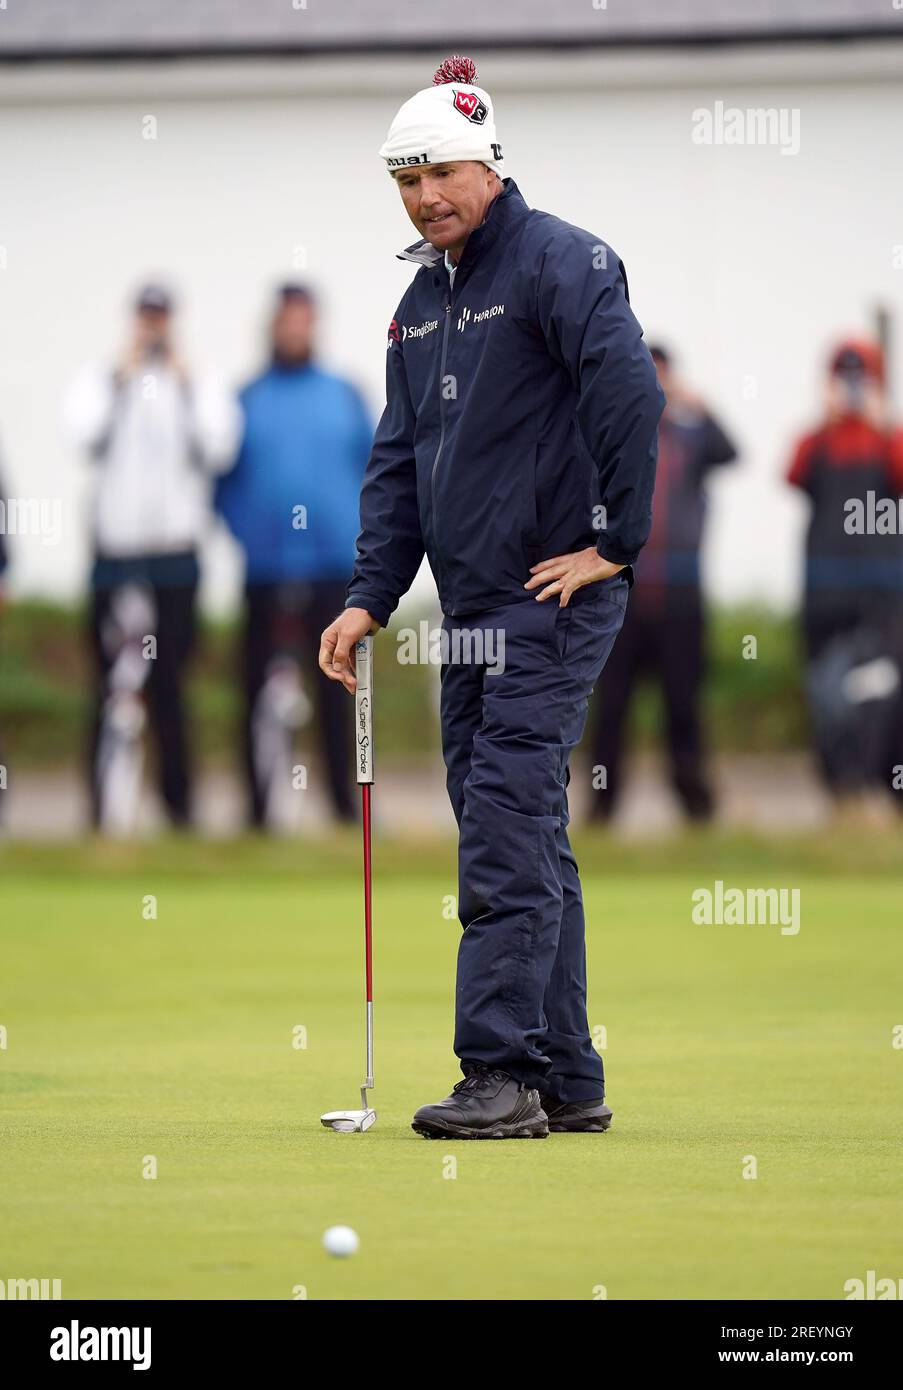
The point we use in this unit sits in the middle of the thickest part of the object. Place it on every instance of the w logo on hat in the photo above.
(469, 104)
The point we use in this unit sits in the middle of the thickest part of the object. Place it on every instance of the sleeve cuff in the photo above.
(374, 606)
(614, 555)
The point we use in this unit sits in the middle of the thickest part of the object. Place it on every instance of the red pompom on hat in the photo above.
(455, 69)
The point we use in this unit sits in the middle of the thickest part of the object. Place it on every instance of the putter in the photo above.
(358, 1121)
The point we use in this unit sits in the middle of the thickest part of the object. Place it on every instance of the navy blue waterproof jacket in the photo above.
(520, 419)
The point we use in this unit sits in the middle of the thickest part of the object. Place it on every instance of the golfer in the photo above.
(517, 450)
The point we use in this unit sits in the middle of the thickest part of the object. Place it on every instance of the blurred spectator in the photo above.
(663, 632)
(4, 560)
(292, 503)
(851, 468)
(4, 557)
(157, 432)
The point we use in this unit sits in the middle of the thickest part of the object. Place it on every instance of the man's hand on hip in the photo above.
(564, 574)
(337, 644)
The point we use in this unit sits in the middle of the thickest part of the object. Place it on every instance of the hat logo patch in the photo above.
(470, 106)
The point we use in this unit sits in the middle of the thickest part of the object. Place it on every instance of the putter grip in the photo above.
(363, 709)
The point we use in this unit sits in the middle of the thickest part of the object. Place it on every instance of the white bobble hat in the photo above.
(451, 120)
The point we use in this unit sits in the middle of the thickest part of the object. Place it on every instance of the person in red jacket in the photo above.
(851, 468)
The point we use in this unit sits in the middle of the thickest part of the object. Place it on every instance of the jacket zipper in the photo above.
(448, 311)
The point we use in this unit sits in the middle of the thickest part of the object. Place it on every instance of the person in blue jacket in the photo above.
(291, 501)
(517, 450)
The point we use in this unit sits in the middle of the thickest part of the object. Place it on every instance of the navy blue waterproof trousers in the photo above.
(509, 723)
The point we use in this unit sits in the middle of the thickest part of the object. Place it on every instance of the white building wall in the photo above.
(748, 262)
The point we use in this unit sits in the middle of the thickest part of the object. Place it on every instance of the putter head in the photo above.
(349, 1121)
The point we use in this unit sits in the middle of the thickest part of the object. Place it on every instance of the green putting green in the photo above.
(176, 1039)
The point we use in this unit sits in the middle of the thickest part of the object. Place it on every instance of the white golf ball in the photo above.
(341, 1241)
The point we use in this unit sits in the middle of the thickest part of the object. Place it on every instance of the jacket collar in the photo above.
(506, 210)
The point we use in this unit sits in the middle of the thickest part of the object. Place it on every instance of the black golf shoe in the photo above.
(577, 1116)
(487, 1104)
